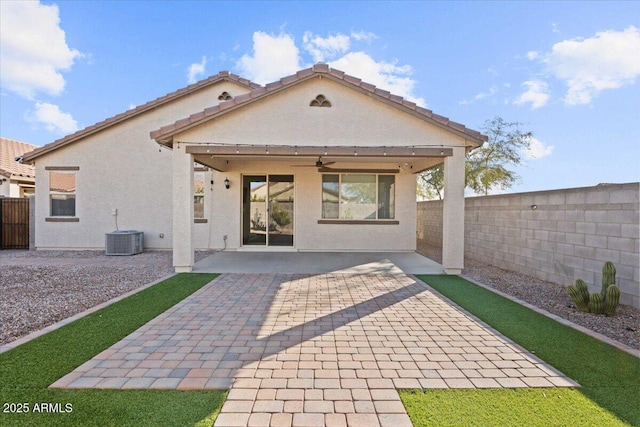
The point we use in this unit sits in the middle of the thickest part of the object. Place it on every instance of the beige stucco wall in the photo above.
(354, 119)
(225, 207)
(120, 168)
(285, 118)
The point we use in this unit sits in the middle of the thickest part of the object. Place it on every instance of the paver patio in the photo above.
(302, 350)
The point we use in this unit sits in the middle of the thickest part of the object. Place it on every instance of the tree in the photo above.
(430, 183)
(487, 166)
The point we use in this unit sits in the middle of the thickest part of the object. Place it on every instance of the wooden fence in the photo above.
(14, 223)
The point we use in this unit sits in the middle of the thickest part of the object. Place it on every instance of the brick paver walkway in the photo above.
(306, 350)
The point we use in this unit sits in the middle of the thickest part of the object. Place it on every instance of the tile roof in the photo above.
(164, 134)
(9, 150)
(221, 76)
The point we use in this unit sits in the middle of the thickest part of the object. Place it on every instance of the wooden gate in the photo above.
(14, 223)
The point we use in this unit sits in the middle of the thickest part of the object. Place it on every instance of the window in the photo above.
(358, 196)
(198, 195)
(62, 193)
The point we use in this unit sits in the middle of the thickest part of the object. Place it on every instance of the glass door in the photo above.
(267, 210)
(280, 210)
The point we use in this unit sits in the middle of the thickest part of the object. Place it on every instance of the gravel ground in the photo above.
(35, 296)
(623, 327)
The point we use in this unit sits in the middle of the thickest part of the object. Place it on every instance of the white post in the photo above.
(453, 212)
(183, 245)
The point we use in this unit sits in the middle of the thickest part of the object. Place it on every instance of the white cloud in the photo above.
(363, 36)
(492, 91)
(196, 70)
(385, 75)
(537, 150)
(537, 94)
(609, 60)
(33, 48)
(531, 55)
(323, 48)
(52, 118)
(273, 58)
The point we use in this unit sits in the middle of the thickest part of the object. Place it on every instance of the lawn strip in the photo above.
(531, 407)
(608, 376)
(27, 371)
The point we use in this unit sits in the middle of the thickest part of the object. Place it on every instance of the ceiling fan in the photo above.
(319, 164)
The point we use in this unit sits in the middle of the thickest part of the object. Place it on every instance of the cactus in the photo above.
(584, 291)
(608, 277)
(606, 301)
(612, 300)
(596, 303)
(578, 297)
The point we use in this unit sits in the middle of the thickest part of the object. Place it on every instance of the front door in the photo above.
(267, 210)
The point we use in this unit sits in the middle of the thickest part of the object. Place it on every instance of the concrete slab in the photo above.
(318, 263)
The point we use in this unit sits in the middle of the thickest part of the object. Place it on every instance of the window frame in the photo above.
(342, 220)
(54, 217)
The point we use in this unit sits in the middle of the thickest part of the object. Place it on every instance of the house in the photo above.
(317, 161)
(16, 180)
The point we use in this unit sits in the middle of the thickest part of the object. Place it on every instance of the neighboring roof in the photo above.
(9, 150)
(221, 76)
(164, 134)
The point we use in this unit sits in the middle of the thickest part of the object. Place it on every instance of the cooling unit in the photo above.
(124, 242)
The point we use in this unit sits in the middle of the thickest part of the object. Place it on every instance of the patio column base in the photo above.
(453, 271)
(183, 269)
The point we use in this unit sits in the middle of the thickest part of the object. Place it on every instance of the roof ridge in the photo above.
(305, 74)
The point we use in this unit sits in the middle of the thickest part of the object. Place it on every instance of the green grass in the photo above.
(530, 407)
(609, 377)
(27, 371)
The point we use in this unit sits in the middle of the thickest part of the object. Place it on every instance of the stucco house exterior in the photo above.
(16, 180)
(317, 161)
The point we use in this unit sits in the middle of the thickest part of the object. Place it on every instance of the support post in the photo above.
(183, 245)
(453, 212)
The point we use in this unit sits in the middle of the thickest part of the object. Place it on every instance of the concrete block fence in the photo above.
(557, 235)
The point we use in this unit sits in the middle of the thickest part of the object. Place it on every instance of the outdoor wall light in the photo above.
(226, 183)
(534, 207)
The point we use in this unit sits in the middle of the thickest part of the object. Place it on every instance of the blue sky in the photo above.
(568, 71)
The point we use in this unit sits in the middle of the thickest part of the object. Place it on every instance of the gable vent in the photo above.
(320, 101)
(124, 242)
(224, 96)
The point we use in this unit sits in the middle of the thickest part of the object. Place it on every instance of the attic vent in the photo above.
(320, 101)
(124, 242)
(224, 96)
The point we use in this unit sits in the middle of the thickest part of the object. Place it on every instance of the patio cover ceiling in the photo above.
(413, 159)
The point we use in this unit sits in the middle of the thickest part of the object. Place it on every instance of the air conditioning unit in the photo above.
(124, 242)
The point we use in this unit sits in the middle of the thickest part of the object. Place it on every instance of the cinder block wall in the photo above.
(558, 235)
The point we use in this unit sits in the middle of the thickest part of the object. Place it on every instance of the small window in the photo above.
(62, 193)
(358, 196)
(198, 195)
